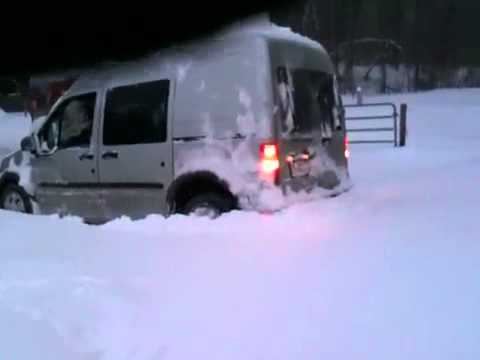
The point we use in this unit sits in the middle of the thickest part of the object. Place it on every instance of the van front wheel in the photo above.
(209, 205)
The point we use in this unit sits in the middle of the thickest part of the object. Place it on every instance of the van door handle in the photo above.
(86, 156)
(110, 155)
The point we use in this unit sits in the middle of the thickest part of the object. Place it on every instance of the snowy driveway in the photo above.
(386, 271)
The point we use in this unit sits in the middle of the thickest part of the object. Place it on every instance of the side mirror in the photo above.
(27, 144)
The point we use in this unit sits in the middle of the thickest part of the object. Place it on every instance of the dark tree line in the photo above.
(436, 40)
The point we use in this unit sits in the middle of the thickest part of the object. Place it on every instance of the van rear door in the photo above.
(311, 133)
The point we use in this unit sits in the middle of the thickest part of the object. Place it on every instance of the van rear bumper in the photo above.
(328, 180)
(269, 197)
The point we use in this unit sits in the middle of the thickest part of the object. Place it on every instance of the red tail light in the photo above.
(269, 159)
(347, 147)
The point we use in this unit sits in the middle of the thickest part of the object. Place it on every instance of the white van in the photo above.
(203, 128)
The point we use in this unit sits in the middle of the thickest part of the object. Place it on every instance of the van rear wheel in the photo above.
(15, 198)
(209, 205)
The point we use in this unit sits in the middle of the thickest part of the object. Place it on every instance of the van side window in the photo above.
(136, 114)
(70, 125)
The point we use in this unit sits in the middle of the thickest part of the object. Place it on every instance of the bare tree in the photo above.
(310, 21)
(415, 43)
(355, 7)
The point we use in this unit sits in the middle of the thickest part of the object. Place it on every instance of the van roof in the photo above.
(170, 60)
(266, 30)
(275, 32)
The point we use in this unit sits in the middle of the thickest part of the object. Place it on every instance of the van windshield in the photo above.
(308, 100)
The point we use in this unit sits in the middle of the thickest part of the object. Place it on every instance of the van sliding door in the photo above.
(135, 152)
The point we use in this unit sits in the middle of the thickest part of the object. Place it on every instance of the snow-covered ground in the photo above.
(13, 128)
(388, 270)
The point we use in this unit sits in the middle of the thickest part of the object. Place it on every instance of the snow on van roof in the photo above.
(248, 28)
(285, 33)
(259, 26)
(262, 25)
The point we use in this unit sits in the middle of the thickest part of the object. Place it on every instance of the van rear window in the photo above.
(307, 101)
(136, 114)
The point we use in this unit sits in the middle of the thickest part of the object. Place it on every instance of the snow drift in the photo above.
(385, 271)
(13, 128)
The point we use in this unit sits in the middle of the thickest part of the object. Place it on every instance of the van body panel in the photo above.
(224, 92)
(235, 161)
(224, 114)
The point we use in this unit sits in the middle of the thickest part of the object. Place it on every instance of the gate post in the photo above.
(403, 124)
(395, 125)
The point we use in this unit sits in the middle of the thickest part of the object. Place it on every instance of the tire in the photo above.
(210, 205)
(15, 198)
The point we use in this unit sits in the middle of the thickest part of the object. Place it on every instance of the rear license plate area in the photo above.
(299, 168)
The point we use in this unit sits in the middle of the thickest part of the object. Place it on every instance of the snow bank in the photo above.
(13, 128)
(385, 271)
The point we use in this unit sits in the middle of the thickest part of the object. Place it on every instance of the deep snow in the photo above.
(385, 271)
(13, 127)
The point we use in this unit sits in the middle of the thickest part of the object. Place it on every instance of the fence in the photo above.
(397, 124)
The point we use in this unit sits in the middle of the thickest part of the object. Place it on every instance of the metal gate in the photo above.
(394, 123)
